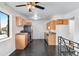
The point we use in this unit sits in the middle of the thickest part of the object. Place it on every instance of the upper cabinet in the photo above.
(62, 21)
(21, 22)
(51, 25)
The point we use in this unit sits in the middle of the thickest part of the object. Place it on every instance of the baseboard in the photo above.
(11, 52)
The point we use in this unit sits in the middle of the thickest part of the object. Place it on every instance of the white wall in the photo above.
(76, 34)
(76, 24)
(8, 46)
(71, 29)
(39, 27)
(62, 30)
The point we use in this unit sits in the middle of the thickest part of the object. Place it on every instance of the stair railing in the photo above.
(67, 47)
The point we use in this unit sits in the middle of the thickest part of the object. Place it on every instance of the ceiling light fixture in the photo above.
(31, 5)
(36, 17)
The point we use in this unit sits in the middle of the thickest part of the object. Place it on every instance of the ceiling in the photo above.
(51, 8)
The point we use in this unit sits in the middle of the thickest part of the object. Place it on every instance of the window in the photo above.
(4, 25)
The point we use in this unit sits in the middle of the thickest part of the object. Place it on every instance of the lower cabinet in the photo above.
(21, 40)
(52, 39)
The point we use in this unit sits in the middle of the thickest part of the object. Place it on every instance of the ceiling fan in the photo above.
(31, 5)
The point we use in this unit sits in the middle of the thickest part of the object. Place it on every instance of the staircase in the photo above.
(67, 47)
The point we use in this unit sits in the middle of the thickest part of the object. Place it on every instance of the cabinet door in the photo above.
(20, 42)
(65, 22)
(53, 25)
(19, 21)
(52, 39)
(59, 22)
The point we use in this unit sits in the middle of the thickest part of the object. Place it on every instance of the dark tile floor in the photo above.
(36, 48)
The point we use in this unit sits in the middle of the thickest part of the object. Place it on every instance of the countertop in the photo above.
(50, 32)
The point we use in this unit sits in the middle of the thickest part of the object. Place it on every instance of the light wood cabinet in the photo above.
(21, 22)
(59, 22)
(27, 22)
(21, 40)
(52, 24)
(52, 39)
(63, 21)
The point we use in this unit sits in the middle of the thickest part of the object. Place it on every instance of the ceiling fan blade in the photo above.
(20, 5)
(40, 7)
(36, 2)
